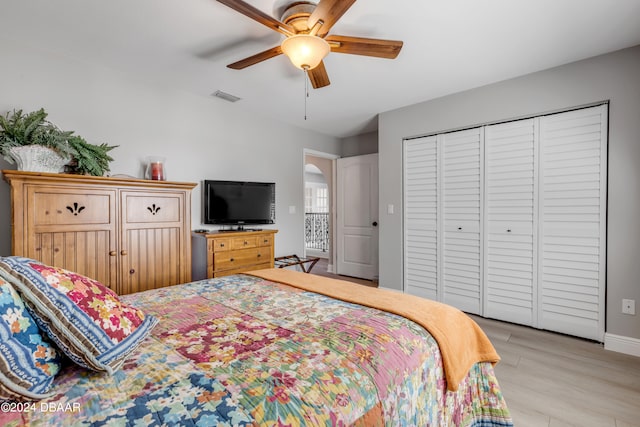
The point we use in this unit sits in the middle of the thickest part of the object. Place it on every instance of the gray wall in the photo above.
(359, 145)
(614, 77)
(201, 137)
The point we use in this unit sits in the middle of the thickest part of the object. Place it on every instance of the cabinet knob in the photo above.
(508, 230)
(266, 241)
(113, 253)
(123, 252)
(259, 255)
(222, 245)
(231, 260)
(459, 228)
(246, 243)
(132, 271)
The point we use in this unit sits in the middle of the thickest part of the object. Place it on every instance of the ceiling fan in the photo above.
(306, 26)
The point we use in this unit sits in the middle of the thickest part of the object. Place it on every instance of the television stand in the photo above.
(223, 252)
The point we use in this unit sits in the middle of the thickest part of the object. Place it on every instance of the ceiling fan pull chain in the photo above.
(306, 90)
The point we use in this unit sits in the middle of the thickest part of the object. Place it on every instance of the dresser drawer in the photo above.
(265, 239)
(70, 208)
(244, 242)
(241, 258)
(219, 245)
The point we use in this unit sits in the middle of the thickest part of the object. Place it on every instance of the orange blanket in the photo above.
(461, 341)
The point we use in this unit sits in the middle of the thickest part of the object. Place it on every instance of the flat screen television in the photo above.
(239, 203)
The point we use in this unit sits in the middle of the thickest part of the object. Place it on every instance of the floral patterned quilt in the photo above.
(241, 350)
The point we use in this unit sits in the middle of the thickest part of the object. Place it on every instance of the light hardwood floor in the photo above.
(550, 379)
(553, 380)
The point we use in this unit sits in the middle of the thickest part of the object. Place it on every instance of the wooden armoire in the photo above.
(130, 234)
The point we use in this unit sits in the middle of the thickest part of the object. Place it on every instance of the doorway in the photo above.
(319, 203)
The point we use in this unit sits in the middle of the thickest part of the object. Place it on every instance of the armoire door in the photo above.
(511, 219)
(573, 160)
(461, 183)
(153, 236)
(72, 228)
(421, 217)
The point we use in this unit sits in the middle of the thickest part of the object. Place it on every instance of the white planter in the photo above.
(36, 158)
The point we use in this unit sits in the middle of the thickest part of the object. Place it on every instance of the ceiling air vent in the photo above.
(226, 96)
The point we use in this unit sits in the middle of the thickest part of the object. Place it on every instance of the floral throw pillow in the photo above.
(28, 362)
(82, 316)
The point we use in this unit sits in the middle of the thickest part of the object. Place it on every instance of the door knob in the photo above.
(374, 223)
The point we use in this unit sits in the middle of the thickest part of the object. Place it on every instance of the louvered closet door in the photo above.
(462, 172)
(573, 209)
(421, 218)
(510, 251)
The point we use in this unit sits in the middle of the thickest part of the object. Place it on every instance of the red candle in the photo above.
(157, 171)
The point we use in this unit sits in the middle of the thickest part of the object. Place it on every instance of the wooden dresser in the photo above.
(223, 253)
(130, 234)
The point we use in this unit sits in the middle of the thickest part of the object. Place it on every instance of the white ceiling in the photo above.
(449, 46)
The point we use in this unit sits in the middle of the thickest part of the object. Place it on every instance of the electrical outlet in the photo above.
(629, 306)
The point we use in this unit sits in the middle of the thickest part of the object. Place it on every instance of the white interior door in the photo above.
(357, 208)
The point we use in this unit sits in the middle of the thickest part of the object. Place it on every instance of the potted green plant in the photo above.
(35, 144)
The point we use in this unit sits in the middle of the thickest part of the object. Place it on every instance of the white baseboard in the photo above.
(330, 268)
(390, 289)
(622, 344)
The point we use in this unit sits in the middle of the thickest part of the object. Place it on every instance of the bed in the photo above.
(274, 348)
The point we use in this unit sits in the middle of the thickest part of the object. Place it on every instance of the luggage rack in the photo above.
(289, 260)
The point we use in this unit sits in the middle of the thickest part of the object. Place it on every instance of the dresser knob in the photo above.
(259, 255)
(113, 253)
(132, 271)
(123, 252)
(222, 245)
(231, 260)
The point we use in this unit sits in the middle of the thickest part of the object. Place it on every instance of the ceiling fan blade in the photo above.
(319, 77)
(364, 46)
(328, 11)
(257, 15)
(259, 57)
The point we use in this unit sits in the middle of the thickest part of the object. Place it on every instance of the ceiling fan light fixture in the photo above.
(305, 51)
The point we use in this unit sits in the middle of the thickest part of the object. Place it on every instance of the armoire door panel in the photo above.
(84, 252)
(152, 259)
